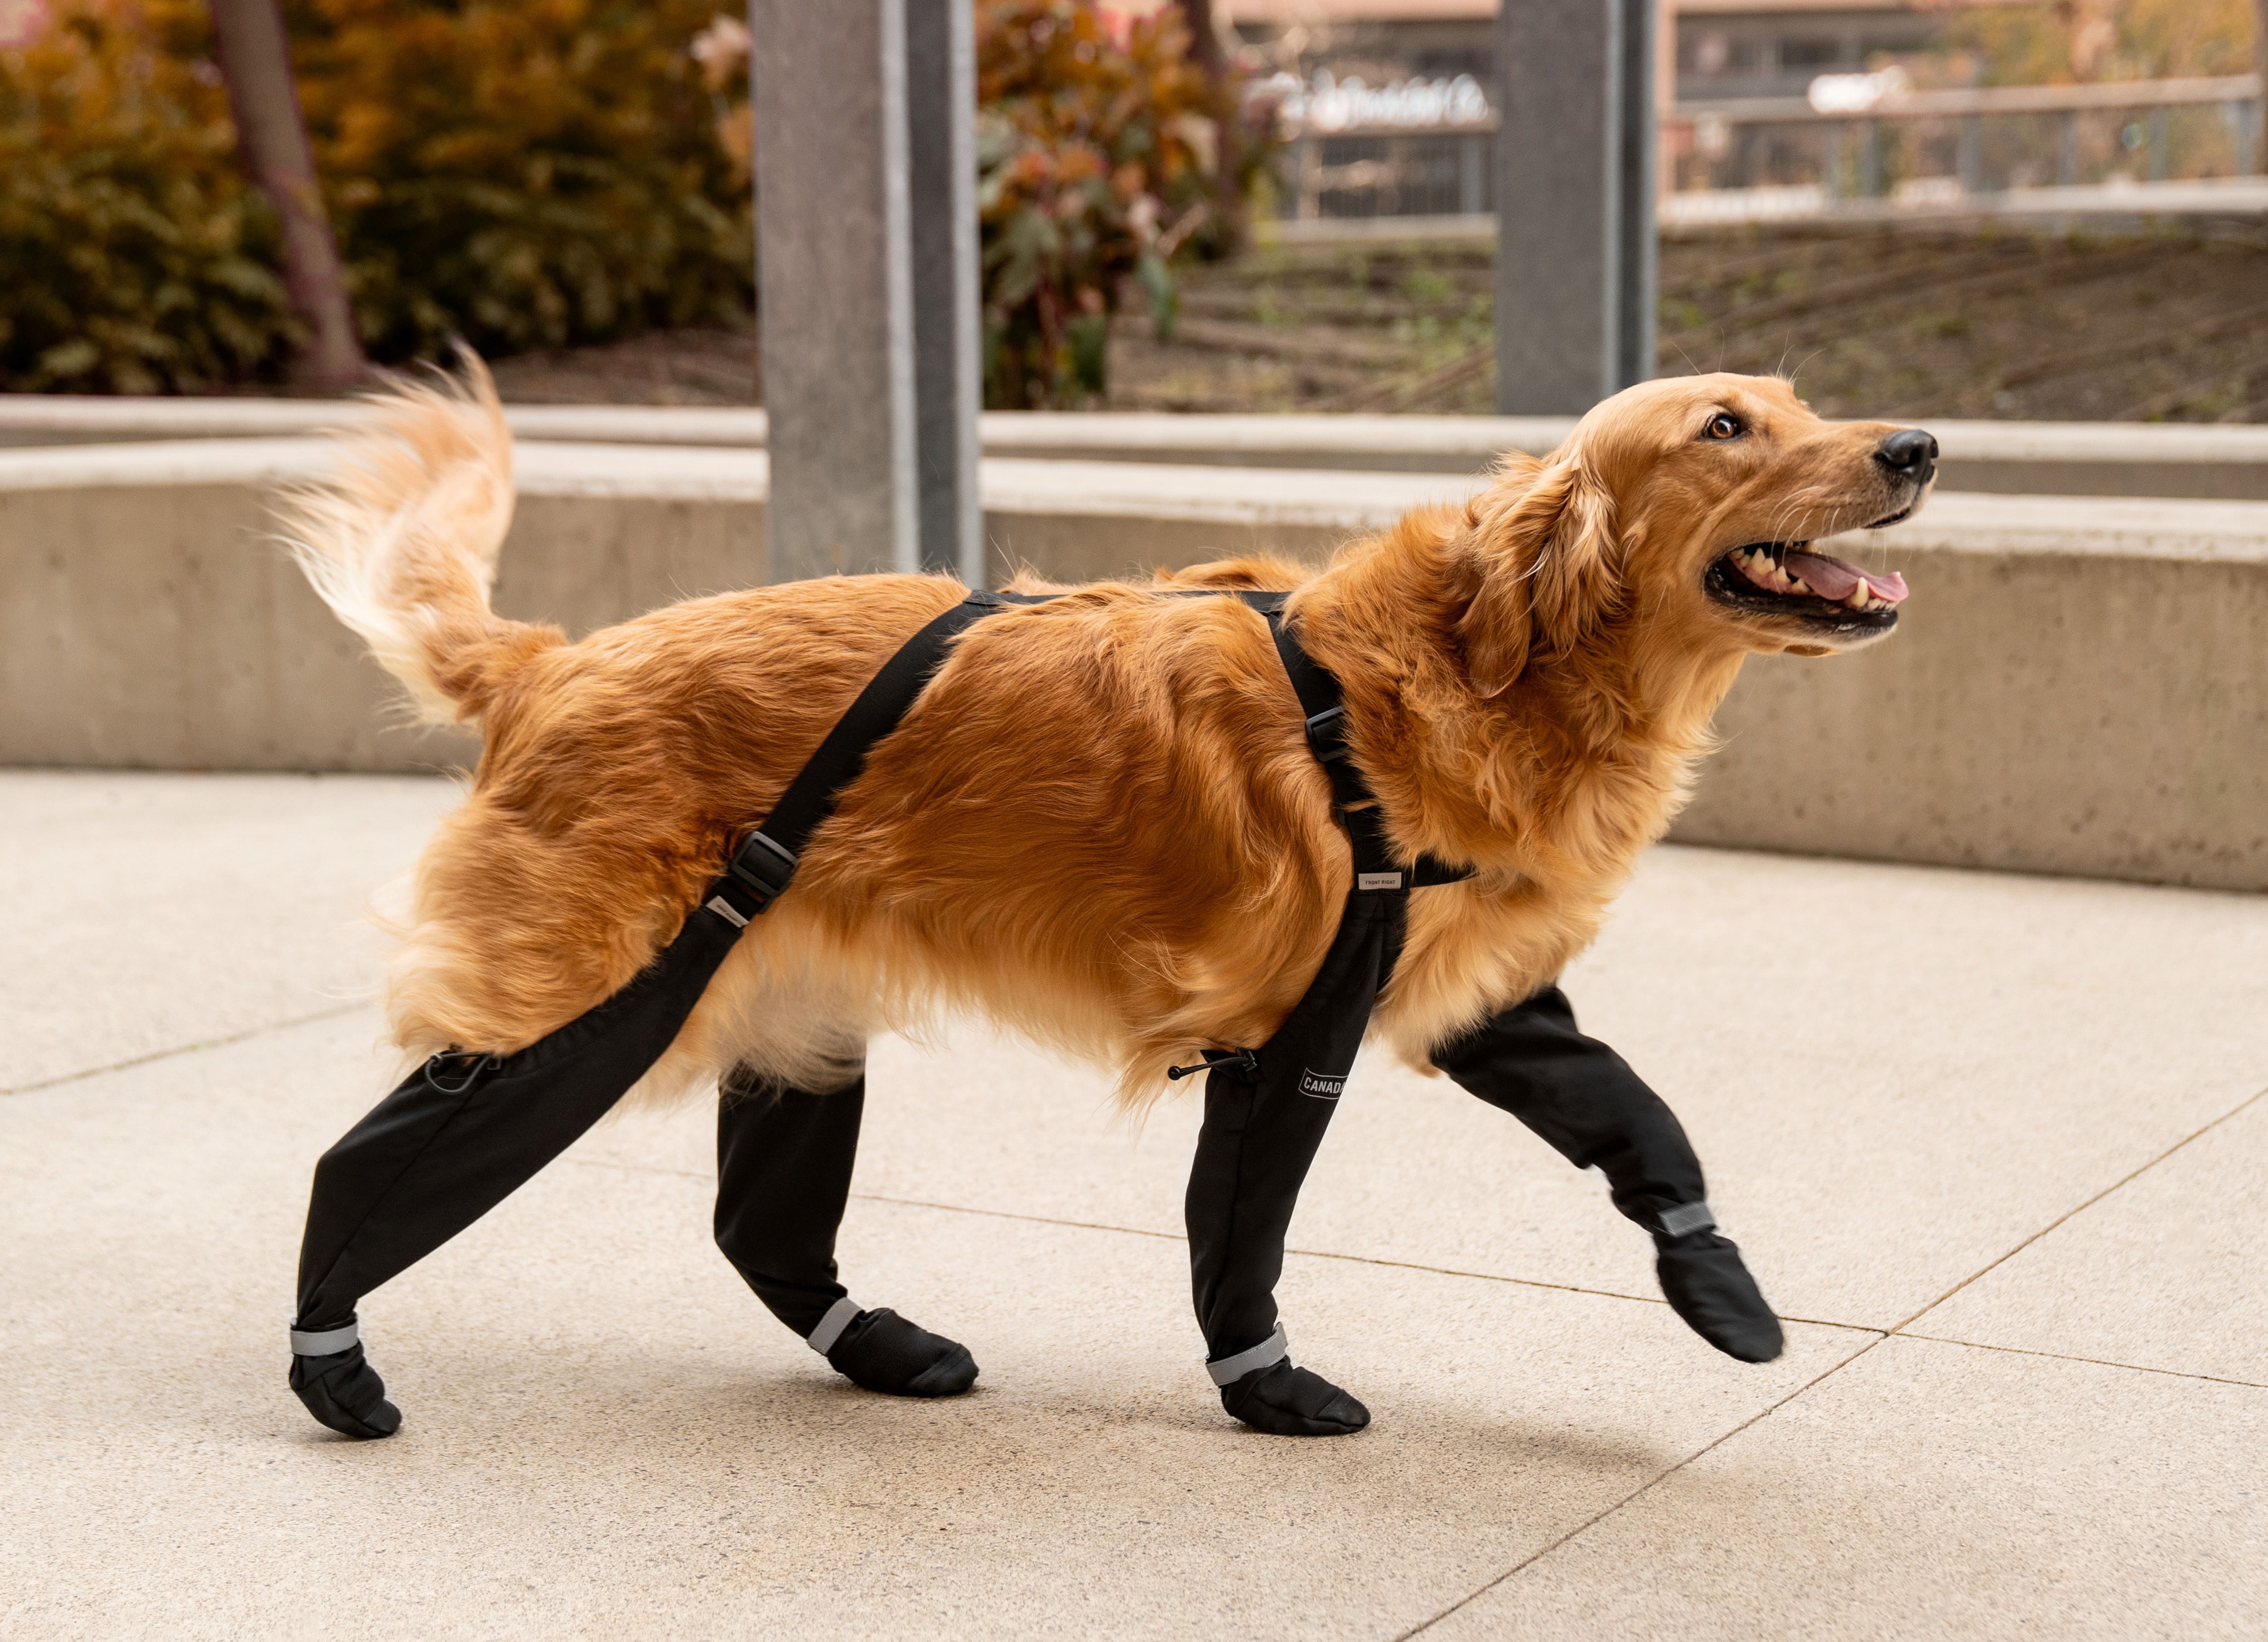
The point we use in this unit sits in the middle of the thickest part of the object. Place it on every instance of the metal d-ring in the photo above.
(474, 1067)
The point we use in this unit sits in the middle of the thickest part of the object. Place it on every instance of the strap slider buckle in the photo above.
(1327, 734)
(762, 868)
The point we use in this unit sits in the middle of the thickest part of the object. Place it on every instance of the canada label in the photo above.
(1322, 1087)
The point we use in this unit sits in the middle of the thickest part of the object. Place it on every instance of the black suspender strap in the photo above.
(764, 865)
(1323, 704)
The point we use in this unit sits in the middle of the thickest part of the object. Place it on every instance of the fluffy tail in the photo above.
(402, 543)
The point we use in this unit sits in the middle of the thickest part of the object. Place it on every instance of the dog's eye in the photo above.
(1723, 426)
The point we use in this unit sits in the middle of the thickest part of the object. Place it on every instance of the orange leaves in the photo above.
(1093, 133)
(137, 258)
(522, 173)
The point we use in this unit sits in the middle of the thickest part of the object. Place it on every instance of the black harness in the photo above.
(499, 1118)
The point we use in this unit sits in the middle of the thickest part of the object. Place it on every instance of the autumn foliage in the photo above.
(520, 173)
(541, 172)
(136, 258)
(1101, 151)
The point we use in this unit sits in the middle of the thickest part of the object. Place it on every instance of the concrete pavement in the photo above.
(1991, 1143)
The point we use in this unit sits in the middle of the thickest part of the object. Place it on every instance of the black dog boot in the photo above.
(1287, 1402)
(881, 1351)
(1705, 1283)
(1261, 1388)
(338, 1385)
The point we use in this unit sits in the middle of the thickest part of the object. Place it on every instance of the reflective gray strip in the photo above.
(1686, 1217)
(727, 911)
(1229, 1369)
(328, 1341)
(839, 1317)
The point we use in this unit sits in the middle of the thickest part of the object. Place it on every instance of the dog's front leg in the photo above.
(1265, 1114)
(1583, 1098)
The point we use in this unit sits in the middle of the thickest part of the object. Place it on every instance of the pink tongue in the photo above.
(1831, 578)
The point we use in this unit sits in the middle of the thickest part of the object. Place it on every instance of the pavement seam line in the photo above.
(185, 1049)
(1481, 1276)
(1585, 1526)
(1176, 1237)
(2099, 1362)
(1986, 1271)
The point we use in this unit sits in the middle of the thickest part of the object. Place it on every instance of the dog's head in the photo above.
(1689, 506)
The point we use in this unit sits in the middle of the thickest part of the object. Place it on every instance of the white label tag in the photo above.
(727, 911)
(1378, 881)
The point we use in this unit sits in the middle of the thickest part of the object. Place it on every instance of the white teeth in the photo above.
(1862, 596)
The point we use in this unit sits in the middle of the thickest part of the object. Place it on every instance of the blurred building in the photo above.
(1724, 48)
(1391, 107)
(1392, 101)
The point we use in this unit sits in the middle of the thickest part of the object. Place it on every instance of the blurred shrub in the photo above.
(520, 173)
(540, 172)
(523, 172)
(1102, 148)
(133, 256)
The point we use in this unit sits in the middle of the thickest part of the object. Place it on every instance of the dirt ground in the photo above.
(1900, 322)
(689, 367)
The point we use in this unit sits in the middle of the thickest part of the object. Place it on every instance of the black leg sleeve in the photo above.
(784, 1162)
(1253, 1153)
(464, 1131)
(1265, 1118)
(1584, 1101)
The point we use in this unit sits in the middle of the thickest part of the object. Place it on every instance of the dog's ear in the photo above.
(1544, 570)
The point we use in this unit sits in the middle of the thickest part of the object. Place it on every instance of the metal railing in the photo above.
(1851, 143)
(1956, 138)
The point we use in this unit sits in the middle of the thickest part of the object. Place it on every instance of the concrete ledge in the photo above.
(2077, 686)
(2019, 458)
(2080, 686)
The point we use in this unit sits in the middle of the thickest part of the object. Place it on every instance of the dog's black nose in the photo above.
(1909, 453)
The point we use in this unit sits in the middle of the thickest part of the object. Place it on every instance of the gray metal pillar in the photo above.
(948, 358)
(868, 292)
(1575, 272)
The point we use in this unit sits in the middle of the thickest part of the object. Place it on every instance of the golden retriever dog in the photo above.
(1100, 825)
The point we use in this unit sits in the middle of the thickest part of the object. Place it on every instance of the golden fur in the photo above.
(1100, 824)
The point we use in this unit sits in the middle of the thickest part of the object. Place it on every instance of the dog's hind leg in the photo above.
(460, 1135)
(783, 1160)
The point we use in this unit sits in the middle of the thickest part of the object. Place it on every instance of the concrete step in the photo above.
(2024, 458)
(2081, 684)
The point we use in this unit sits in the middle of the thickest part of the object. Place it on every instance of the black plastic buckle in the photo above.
(762, 868)
(1327, 734)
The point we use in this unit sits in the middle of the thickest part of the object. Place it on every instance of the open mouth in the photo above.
(1786, 578)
